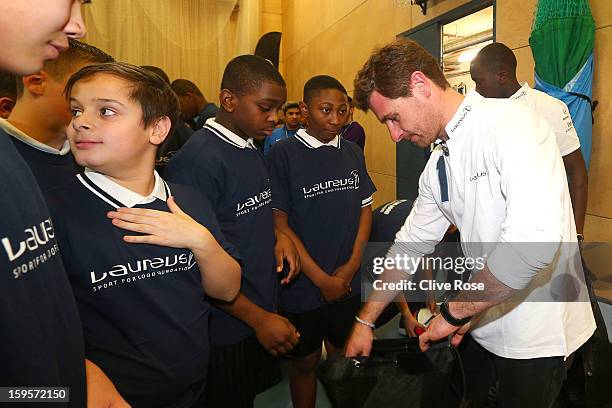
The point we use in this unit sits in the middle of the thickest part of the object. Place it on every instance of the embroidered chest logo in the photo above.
(38, 238)
(254, 203)
(141, 269)
(330, 186)
(478, 175)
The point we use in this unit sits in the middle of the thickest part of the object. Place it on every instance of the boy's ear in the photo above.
(303, 108)
(228, 100)
(35, 83)
(6, 106)
(160, 130)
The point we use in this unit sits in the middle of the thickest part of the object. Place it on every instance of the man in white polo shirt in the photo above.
(494, 72)
(499, 178)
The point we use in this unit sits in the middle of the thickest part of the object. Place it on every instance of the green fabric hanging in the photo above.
(562, 39)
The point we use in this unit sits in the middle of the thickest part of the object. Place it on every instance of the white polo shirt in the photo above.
(556, 114)
(505, 183)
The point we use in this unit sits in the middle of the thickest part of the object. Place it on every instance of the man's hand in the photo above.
(440, 329)
(276, 334)
(360, 341)
(334, 288)
(101, 393)
(284, 249)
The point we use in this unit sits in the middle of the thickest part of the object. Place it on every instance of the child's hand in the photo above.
(411, 323)
(334, 288)
(171, 229)
(285, 249)
(346, 272)
(276, 334)
(101, 392)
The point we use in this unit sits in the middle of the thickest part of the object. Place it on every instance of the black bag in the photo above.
(397, 374)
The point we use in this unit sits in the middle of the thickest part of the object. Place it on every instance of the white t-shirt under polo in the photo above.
(503, 181)
(556, 114)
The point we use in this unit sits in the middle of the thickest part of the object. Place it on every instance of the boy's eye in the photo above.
(75, 112)
(265, 108)
(107, 112)
(326, 110)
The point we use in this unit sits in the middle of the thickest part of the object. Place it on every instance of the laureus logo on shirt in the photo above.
(466, 109)
(349, 183)
(38, 238)
(141, 269)
(255, 202)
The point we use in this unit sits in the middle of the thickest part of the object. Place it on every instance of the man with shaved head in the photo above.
(494, 71)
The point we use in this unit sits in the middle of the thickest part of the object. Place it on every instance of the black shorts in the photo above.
(238, 372)
(332, 322)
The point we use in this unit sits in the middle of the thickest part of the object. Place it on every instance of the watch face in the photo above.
(424, 316)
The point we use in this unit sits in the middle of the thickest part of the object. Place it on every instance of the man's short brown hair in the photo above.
(389, 69)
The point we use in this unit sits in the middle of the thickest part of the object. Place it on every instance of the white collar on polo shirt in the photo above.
(457, 123)
(228, 136)
(30, 141)
(521, 92)
(312, 142)
(95, 181)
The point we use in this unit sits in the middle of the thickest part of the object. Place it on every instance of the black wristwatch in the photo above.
(449, 317)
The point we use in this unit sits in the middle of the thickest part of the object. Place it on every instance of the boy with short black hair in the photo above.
(140, 296)
(8, 94)
(322, 196)
(195, 109)
(40, 116)
(222, 162)
(41, 344)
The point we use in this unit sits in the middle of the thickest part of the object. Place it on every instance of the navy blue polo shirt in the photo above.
(388, 219)
(51, 167)
(232, 174)
(322, 188)
(143, 309)
(41, 343)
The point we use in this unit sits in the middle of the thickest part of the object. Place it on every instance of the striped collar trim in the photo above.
(312, 143)
(118, 196)
(228, 136)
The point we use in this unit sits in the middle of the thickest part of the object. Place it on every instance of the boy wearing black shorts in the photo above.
(140, 295)
(322, 196)
(222, 162)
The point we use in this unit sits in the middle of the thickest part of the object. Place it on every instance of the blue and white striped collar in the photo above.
(118, 196)
(312, 142)
(228, 136)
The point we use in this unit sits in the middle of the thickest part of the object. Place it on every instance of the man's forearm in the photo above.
(379, 299)
(470, 303)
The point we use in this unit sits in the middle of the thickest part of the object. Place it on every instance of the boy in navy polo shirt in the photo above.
(322, 196)
(38, 121)
(41, 342)
(222, 162)
(140, 296)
